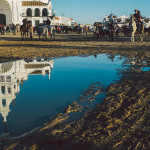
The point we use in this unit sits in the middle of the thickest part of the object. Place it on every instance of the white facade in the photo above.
(146, 22)
(120, 21)
(14, 11)
(62, 21)
(14, 73)
(123, 20)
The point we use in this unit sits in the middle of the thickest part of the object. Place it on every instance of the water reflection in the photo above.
(39, 99)
(14, 73)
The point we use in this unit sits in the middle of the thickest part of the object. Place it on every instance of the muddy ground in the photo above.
(121, 121)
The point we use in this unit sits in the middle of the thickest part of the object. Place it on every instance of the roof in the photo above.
(56, 18)
(33, 3)
(30, 66)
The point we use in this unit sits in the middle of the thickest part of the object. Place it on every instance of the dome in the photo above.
(5, 67)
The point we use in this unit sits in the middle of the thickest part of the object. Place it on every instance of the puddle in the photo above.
(145, 69)
(33, 91)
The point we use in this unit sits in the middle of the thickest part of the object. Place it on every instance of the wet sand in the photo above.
(121, 121)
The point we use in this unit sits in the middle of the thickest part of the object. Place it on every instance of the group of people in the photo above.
(12, 28)
(8, 29)
(101, 30)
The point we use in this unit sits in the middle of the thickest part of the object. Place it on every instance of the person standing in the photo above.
(48, 22)
(7, 29)
(3, 29)
(94, 30)
(52, 31)
(0, 29)
(85, 30)
(31, 31)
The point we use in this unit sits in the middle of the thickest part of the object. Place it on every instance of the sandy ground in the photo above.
(68, 45)
(121, 121)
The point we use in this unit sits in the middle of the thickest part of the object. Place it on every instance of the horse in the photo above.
(126, 30)
(106, 33)
(134, 29)
(98, 32)
(147, 30)
(24, 31)
(111, 28)
(42, 30)
(52, 32)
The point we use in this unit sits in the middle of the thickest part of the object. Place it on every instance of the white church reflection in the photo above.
(14, 73)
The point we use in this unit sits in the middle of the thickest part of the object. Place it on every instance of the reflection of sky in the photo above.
(146, 69)
(41, 98)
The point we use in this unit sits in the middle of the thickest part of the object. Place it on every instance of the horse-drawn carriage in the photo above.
(109, 30)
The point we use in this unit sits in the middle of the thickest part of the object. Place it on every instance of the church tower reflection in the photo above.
(14, 73)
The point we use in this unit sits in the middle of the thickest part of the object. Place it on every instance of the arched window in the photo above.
(9, 90)
(3, 89)
(37, 12)
(4, 102)
(29, 12)
(44, 12)
(2, 19)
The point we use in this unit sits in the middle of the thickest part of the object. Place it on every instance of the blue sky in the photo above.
(88, 11)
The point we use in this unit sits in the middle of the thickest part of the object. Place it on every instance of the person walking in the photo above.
(31, 31)
(52, 31)
(85, 30)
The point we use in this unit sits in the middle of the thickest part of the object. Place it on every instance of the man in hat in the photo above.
(137, 18)
(48, 22)
(25, 22)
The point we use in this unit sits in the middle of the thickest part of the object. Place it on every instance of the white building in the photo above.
(146, 22)
(14, 11)
(63, 21)
(14, 73)
(120, 21)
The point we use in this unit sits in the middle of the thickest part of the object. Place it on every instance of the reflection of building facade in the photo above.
(14, 73)
(14, 11)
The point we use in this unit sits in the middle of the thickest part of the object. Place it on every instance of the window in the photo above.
(37, 12)
(3, 89)
(9, 90)
(29, 12)
(8, 78)
(4, 102)
(37, 22)
(44, 12)
(2, 78)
